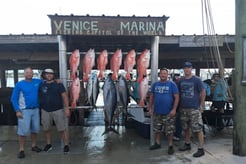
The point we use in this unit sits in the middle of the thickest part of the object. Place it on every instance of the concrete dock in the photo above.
(89, 146)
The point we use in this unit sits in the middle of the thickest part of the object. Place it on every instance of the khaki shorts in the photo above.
(164, 123)
(57, 116)
(191, 118)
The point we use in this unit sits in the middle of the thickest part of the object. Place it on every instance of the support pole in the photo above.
(154, 76)
(63, 70)
(62, 60)
(3, 78)
(239, 126)
(15, 76)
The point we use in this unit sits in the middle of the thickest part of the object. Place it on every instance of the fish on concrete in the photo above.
(74, 60)
(74, 92)
(115, 63)
(143, 62)
(92, 88)
(102, 61)
(110, 103)
(88, 63)
(143, 91)
(129, 63)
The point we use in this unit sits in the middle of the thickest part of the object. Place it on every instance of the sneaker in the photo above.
(66, 149)
(48, 148)
(21, 154)
(155, 146)
(176, 138)
(170, 150)
(36, 149)
(199, 153)
(185, 147)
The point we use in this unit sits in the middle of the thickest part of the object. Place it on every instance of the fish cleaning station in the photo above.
(107, 64)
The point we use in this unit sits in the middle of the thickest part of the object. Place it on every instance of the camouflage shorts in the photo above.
(164, 123)
(191, 118)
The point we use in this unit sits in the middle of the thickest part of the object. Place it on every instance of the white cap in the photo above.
(48, 70)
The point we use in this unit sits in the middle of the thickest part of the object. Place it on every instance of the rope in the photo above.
(228, 47)
(212, 37)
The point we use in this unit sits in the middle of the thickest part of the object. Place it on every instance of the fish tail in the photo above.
(141, 103)
(128, 76)
(73, 104)
(85, 78)
(72, 76)
(139, 79)
(114, 76)
(100, 75)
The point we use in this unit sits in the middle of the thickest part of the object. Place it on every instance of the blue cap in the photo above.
(187, 64)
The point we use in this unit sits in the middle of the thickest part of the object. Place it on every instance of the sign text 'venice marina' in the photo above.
(108, 26)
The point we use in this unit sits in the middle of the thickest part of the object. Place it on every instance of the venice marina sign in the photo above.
(88, 25)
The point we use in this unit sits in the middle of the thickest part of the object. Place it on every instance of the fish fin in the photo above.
(110, 129)
(113, 130)
(104, 132)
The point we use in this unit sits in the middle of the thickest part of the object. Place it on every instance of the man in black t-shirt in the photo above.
(52, 96)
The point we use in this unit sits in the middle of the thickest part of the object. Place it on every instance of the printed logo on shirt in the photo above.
(162, 89)
(44, 89)
(187, 89)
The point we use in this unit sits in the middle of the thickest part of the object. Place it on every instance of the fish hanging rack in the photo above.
(103, 80)
(109, 53)
(102, 106)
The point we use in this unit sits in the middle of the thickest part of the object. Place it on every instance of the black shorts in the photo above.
(218, 104)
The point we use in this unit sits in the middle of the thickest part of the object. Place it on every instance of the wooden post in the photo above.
(239, 132)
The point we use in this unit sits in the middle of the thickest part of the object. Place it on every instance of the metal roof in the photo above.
(16, 50)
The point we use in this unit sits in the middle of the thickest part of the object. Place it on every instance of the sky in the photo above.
(185, 16)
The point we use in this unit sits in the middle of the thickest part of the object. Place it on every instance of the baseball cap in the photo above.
(48, 70)
(187, 64)
(216, 75)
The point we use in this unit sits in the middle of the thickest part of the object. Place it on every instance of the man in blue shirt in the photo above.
(192, 97)
(164, 98)
(25, 102)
